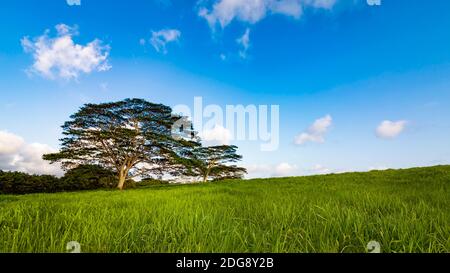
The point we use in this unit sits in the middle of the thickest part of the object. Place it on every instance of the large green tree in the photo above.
(132, 137)
(214, 163)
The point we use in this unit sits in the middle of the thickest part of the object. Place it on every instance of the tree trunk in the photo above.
(121, 181)
(206, 175)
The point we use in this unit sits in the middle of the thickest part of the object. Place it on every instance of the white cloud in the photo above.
(319, 169)
(61, 57)
(272, 170)
(285, 169)
(216, 136)
(244, 42)
(316, 132)
(73, 2)
(390, 129)
(291, 8)
(161, 38)
(9, 143)
(223, 12)
(17, 155)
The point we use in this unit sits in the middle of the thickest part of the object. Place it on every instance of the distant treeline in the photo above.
(85, 177)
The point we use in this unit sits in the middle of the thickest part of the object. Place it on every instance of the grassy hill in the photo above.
(404, 210)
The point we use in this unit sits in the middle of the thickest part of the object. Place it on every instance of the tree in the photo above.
(132, 137)
(213, 163)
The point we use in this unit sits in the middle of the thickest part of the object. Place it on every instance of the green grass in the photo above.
(406, 211)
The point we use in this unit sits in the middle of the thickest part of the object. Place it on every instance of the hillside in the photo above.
(404, 210)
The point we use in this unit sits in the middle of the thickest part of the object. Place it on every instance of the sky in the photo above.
(358, 86)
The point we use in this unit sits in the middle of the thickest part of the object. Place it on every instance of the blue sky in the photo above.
(358, 65)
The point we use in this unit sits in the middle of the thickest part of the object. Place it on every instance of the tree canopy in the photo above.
(134, 137)
(214, 163)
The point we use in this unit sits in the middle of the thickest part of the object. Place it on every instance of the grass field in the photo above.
(405, 211)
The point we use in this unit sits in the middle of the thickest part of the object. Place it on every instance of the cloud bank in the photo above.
(17, 155)
(285, 169)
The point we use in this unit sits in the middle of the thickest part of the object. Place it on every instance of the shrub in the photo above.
(21, 183)
(88, 177)
(130, 184)
(85, 177)
(151, 182)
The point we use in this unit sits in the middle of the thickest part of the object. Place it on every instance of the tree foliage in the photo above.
(214, 163)
(132, 137)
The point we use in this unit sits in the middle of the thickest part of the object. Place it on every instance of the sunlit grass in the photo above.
(406, 211)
